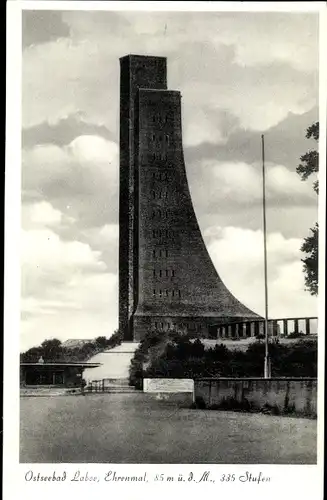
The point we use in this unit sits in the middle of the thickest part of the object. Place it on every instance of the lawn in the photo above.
(133, 428)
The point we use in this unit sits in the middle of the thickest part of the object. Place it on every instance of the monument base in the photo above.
(177, 391)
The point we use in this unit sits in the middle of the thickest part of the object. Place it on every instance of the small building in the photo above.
(61, 374)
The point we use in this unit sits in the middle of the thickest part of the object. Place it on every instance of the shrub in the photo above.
(115, 339)
(199, 404)
(226, 404)
(289, 409)
(233, 404)
(270, 409)
(178, 357)
(296, 335)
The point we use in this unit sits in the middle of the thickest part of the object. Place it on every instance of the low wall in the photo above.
(289, 395)
(176, 391)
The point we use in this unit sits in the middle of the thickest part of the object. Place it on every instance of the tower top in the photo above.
(139, 56)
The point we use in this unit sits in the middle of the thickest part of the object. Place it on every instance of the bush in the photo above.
(181, 360)
(289, 409)
(232, 404)
(179, 357)
(296, 335)
(226, 404)
(115, 339)
(199, 404)
(270, 409)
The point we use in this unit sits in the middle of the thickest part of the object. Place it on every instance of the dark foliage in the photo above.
(183, 358)
(115, 339)
(102, 342)
(310, 165)
(136, 370)
(310, 247)
(310, 160)
(53, 350)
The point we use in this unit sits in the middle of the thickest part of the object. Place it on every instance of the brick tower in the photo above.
(166, 277)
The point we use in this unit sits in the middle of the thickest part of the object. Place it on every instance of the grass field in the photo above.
(133, 428)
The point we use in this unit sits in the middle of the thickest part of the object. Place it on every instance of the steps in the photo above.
(124, 348)
(115, 363)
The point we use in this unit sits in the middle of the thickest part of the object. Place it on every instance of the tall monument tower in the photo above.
(166, 277)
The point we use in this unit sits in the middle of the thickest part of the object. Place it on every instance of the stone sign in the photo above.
(168, 385)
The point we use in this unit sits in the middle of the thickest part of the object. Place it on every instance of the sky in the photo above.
(240, 75)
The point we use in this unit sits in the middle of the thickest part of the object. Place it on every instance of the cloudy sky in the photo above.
(241, 75)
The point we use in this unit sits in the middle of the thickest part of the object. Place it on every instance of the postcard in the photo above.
(164, 256)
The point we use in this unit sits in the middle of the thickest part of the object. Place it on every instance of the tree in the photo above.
(310, 247)
(51, 349)
(115, 339)
(310, 165)
(310, 160)
(102, 342)
(31, 355)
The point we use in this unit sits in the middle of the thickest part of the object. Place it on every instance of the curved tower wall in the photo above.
(165, 270)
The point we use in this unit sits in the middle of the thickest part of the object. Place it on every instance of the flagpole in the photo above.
(266, 360)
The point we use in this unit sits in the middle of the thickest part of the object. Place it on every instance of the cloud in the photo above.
(204, 61)
(104, 239)
(62, 132)
(260, 97)
(41, 214)
(80, 179)
(64, 283)
(66, 280)
(39, 26)
(208, 126)
(46, 260)
(231, 187)
(107, 234)
(87, 308)
(238, 256)
(284, 143)
(92, 149)
(293, 36)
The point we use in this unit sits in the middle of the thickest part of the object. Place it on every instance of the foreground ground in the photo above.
(132, 428)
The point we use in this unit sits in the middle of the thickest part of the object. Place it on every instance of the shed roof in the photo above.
(65, 364)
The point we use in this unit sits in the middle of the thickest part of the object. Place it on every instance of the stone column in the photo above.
(274, 328)
(307, 326)
(296, 326)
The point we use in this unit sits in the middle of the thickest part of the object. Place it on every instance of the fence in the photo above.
(107, 385)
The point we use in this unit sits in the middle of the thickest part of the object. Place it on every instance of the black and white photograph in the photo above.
(168, 237)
